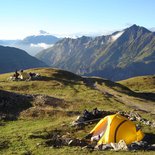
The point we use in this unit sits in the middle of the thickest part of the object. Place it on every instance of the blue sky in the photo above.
(20, 18)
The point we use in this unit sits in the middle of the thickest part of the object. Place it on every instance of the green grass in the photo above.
(72, 90)
(17, 133)
(141, 83)
(77, 95)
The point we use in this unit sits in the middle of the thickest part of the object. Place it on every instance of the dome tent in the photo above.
(114, 128)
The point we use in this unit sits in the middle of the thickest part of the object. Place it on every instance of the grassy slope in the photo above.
(141, 83)
(78, 93)
(62, 85)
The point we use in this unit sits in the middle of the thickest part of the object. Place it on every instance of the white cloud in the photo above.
(42, 45)
(80, 34)
(116, 36)
(152, 29)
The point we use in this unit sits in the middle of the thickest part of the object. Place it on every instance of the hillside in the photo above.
(72, 88)
(141, 83)
(49, 104)
(118, 56)
(12, 59)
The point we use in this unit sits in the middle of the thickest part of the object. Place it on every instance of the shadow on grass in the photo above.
(4, 144)
(126, 90)
(147, 96)
(150, 138)
(11, 104)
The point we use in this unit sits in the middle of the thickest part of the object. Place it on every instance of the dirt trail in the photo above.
(131, 101)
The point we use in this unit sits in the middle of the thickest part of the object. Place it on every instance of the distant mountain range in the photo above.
(32, 44)
(123, 54)
(13, 58)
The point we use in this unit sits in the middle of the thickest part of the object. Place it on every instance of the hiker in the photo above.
(24, 75)
(15, 75)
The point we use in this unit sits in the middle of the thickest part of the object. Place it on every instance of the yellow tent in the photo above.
(114, 128)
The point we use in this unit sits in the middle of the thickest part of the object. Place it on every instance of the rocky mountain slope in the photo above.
(12, 59)
(123, 54)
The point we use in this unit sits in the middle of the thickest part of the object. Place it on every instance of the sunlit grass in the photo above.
(76, 94)
(141, 83)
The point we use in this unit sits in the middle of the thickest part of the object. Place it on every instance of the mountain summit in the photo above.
(123, 54)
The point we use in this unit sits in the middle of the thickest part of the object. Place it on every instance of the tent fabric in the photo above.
(114, 128)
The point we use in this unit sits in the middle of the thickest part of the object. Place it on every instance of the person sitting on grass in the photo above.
(34, 76)
(24, 75)
(16, 75)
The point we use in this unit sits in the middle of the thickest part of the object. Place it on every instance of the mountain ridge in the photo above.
(119, 53)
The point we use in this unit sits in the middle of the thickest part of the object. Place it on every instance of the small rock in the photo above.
(106, 147)
(148, 123)
(103, 147)
(121, 145)
(63, 125)
(153, 125)
(38, 144)
(77, 142)
(115, 146)
(152, 147)
(132, 118)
